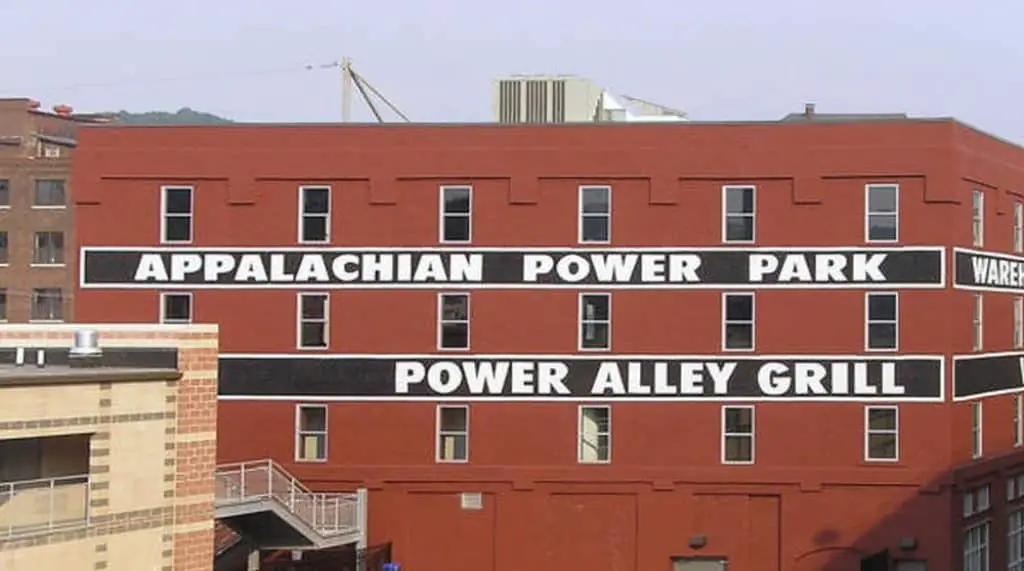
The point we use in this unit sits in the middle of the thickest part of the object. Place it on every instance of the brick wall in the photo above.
(191, 417)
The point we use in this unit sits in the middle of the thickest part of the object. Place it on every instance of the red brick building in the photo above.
(780, 345)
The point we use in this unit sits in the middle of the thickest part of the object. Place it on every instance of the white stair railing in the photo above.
(326, 513)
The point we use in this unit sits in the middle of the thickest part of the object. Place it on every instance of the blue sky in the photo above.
(746, 59)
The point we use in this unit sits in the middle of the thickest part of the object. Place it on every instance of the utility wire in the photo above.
(213, 75)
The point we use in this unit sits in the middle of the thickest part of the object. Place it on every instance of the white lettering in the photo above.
(151, 268)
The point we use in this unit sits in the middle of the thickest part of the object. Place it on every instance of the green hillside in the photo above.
(183, 116)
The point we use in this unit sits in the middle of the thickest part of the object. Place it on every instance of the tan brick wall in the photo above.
(188, 418)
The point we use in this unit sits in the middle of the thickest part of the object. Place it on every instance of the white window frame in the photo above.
(1018, 420)
(444, 215)
(978, 218)
(977, 429)
(1015, 540)
(978, 322)
(869, 213)
(1018, 322)
(868, 322)
(581, 320)
(163, 306)
(726, 321)
(303, 214)
(983, 548)
(752, 435)
(299, 432)
(1018, 227)
(164, 215)
(868, 431)
(581, 215)
(299, 320)
(36, 295)
(441, 321)
(35, 188)
(63, 251)
(579, 434)
(440, 434)
(726, 215)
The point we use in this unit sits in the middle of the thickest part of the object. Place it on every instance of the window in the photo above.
(595, 214)
(977, 322)
(976, 548)
(5, 193)
(48, 248)
(1015, 487)
(738, 321)
(977, 500)
(737, 435)
(453, 321)
(977, 442)
(49, 194)
(595, 321)
(882, 212)
(738, 213)
(47, 304)
(1015, 541)
(1018, 420)
(4, 249)
(176, 308)
(1018, 322)
(3, 305)
(452, 433)
(595, 435)
(314, 311)
(1018, 227)
(311, 433)
(882, 433)
(978, 219)
(315, 214)
(176, 214)
(456, 214)
(882, 323)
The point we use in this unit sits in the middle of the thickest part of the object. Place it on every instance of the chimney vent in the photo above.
(86, 345)
(809, 110)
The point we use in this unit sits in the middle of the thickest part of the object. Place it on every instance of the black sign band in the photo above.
(984, 375)
(572, 378)
(362, 268)
(987, 271)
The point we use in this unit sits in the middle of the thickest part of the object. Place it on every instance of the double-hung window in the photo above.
(737, 435)
(456, 214)
(453, 321)
(739, 211)
(314, 320)
(452, 433)
(176, 214)
(595, 321)
(881, 434)
(738, 321)
(595, 225)
(595, 435)
(881, 321)
(314, 214)
(882, 215)
(311, 432)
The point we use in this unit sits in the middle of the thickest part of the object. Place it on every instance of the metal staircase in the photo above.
(270, 507)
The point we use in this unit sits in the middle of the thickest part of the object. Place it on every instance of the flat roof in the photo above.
(30, 374)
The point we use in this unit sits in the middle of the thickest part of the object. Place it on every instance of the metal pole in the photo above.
(346, 90)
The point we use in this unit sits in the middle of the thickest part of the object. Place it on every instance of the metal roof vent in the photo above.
(87, 344)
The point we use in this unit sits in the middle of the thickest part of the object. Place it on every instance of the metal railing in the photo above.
(44, 505)
(326, 513)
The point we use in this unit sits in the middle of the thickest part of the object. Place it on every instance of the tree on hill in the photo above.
(183, 116)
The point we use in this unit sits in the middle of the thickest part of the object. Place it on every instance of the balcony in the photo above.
(46, 505)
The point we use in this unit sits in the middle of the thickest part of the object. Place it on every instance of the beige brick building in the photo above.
(107, 461)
